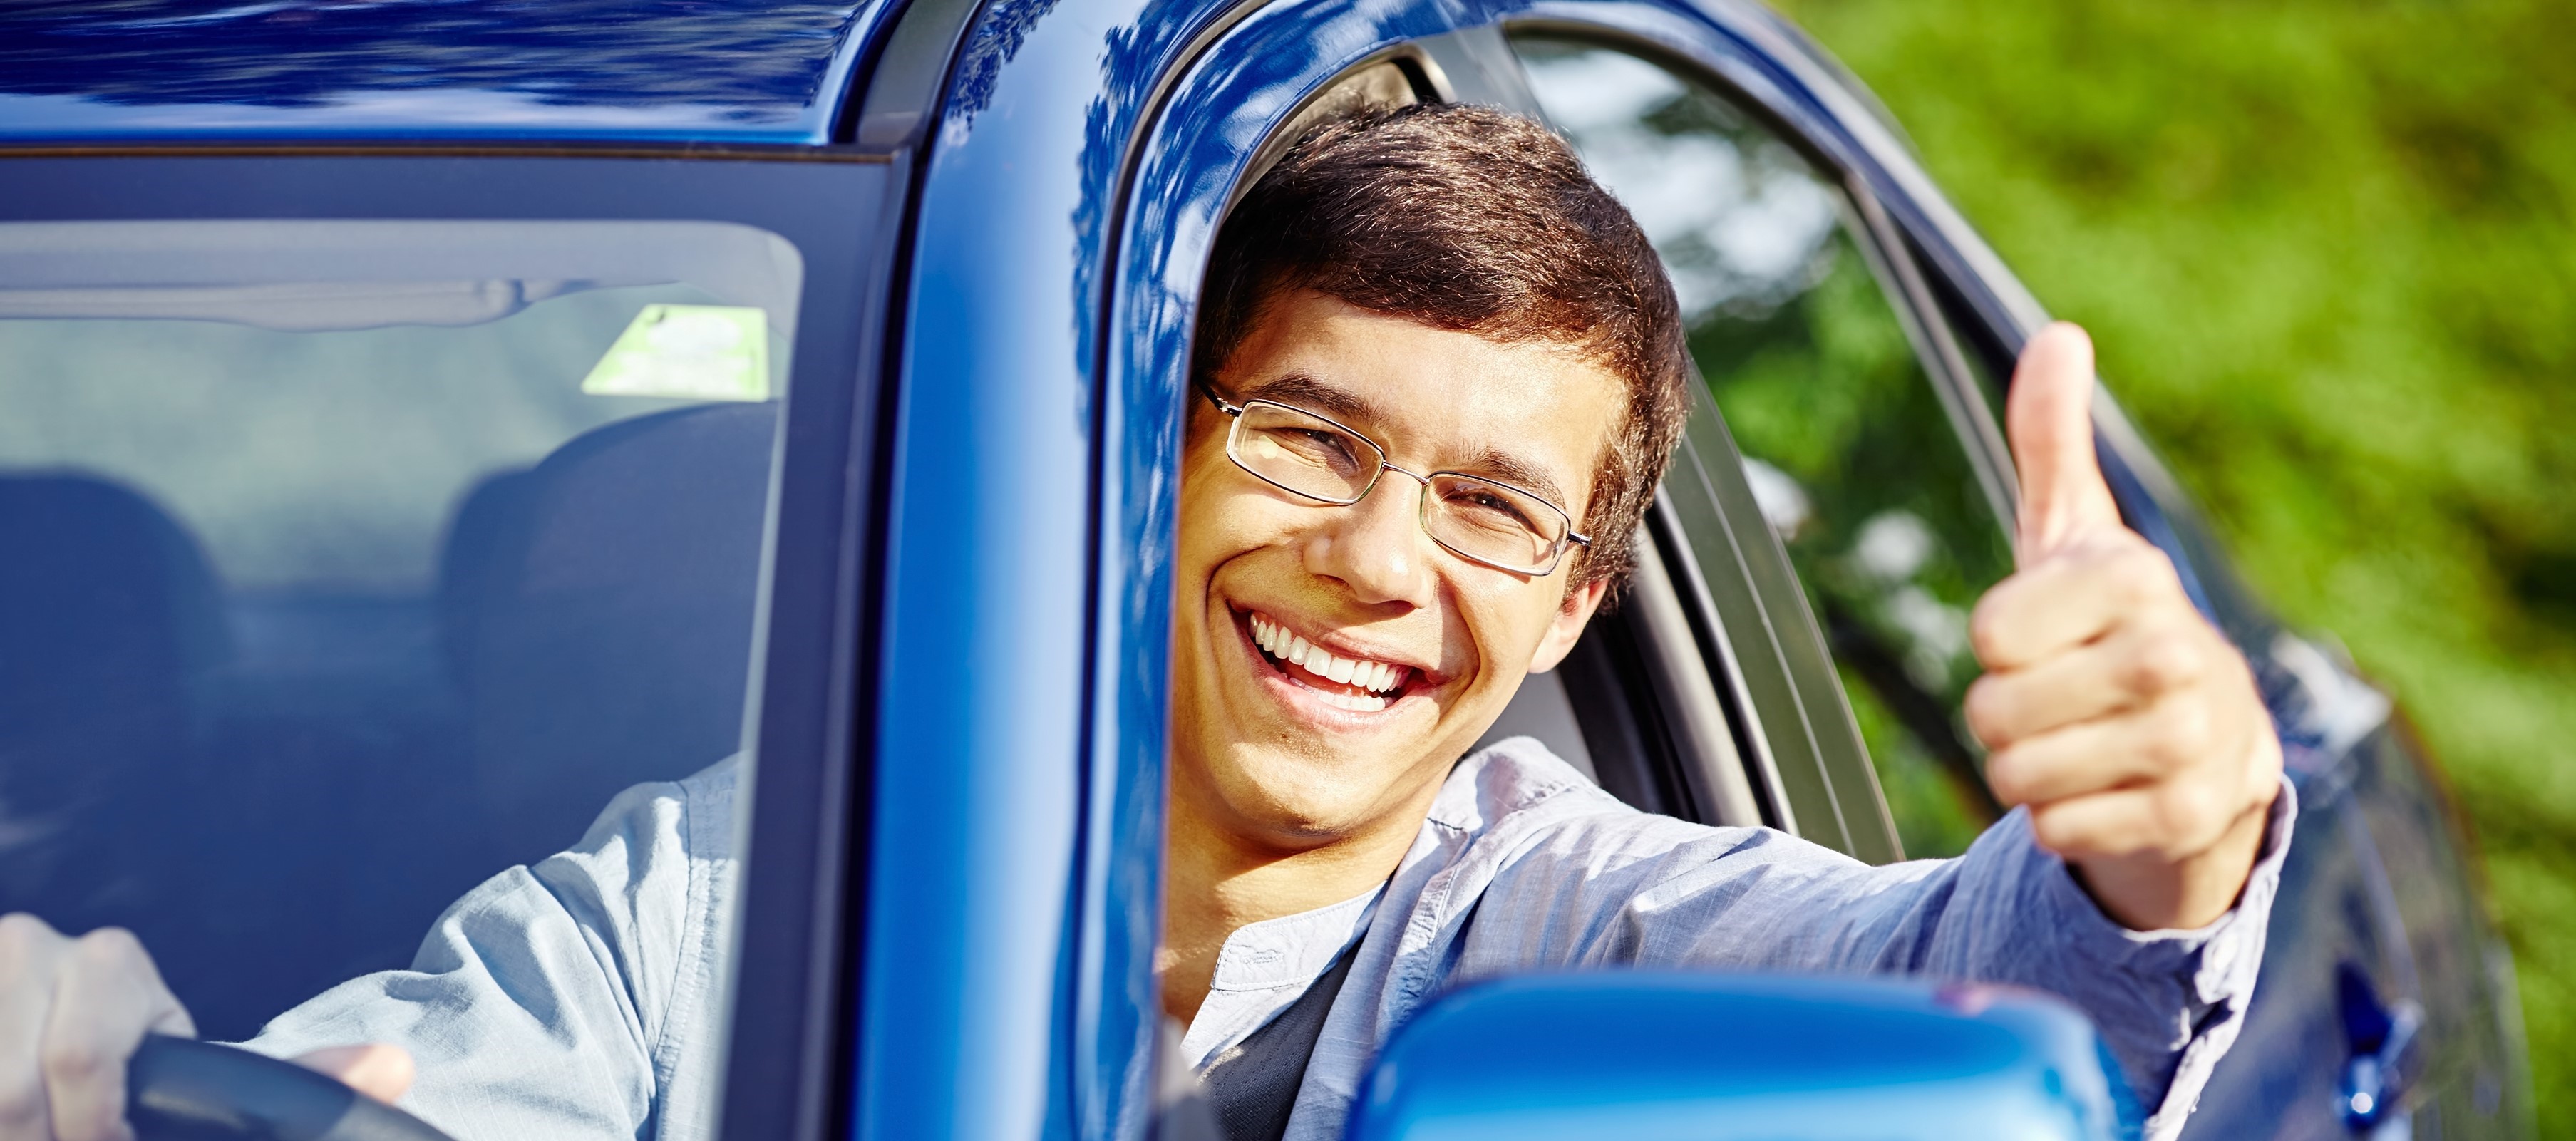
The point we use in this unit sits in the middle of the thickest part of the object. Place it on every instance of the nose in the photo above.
(1376, 546)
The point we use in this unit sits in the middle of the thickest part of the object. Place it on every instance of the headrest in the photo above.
(109, 616)
(600, 609)
(107, 606)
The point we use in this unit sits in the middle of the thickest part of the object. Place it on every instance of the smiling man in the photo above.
(1438, 377)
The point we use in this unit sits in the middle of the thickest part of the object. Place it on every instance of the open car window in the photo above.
(354, 562)
(1846, 442)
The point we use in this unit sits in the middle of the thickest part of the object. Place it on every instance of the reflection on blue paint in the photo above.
(753, 71)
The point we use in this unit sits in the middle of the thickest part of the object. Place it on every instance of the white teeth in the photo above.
(1355, 702)
(1380, 678)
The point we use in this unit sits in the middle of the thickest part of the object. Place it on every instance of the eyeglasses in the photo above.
(1477, 519)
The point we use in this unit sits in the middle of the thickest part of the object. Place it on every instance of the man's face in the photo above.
(1280, 756)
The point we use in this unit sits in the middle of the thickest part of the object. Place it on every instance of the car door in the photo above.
(1075, 158)
(1864, 411)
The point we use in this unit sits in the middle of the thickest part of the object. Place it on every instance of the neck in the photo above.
(1218, 879)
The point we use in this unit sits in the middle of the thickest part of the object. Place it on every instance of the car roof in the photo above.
(194, 71)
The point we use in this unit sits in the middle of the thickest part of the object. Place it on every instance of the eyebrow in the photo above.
(1314, 392)
(1342, 404)
(1503, 468)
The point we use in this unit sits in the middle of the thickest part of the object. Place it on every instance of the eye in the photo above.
(1489, 506)
(1322, 447)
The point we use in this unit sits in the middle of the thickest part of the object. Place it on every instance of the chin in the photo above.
(1302, 798)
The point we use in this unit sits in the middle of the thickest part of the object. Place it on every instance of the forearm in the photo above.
(2168, 1001)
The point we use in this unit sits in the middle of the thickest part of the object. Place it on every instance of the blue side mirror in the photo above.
(1640, 1056)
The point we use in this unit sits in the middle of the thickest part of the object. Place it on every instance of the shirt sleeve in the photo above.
(1657, 892)
(540, 1003)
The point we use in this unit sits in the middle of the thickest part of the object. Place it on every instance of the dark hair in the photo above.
(1478, 220)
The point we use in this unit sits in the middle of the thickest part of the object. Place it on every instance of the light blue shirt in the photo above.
(584, 997)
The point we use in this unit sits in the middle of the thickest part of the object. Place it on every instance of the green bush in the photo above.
(2326, 249)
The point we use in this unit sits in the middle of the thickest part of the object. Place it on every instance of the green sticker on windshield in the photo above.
(691, 352)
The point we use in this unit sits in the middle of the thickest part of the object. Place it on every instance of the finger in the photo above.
(2165, 819)
(2075, 598)
(376, 1069)
(2103, 825)
(107, 996)
(28, 951)
(2161, 743)
(2130, 668)
(2049, 415)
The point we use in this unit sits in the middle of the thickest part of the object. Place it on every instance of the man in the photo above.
(1439, 374)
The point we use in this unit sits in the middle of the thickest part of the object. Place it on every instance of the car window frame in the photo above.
(1809, 741)
(1802, 744)
(807, 692)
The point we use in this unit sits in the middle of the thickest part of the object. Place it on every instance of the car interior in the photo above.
(295, 647)
(286, 815)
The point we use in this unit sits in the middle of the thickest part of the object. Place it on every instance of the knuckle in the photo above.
(23, 939)
(2184, 810)
(2048, 830)
(75, 1059)
(2142, 573)
(2193, 729)
(1985, 709)
(2165, 660)
(2063, 833)
(109, 947)
(1989, 625)
(2005, 777)
(2179, 736)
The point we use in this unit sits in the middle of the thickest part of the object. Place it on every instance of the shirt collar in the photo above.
(1292, 950)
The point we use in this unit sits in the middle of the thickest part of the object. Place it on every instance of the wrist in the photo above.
(2157, 892)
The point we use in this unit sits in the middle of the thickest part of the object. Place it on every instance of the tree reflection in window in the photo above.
(1845, 442)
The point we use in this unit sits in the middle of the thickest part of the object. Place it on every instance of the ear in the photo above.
(1568, 625)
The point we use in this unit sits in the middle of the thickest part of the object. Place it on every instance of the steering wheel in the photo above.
(179, 1089)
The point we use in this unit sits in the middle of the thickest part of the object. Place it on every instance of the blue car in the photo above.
(422, 419)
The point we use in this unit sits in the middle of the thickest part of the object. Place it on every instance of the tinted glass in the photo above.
(353, 562)
(1845, 441)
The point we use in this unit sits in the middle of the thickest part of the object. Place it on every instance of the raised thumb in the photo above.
(2049, 416)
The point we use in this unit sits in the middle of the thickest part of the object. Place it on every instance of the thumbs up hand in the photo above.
(2121, 717)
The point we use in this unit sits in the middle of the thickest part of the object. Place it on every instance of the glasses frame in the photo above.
(1234, 436)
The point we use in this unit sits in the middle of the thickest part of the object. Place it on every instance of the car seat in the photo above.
(110, 620)
(599, 610)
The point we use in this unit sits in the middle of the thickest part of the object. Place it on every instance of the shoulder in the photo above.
(1517, 798)
(691, 818)
(1518, 787)
(649, 852)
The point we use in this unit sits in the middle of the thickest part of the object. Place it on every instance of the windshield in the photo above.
(351, 562)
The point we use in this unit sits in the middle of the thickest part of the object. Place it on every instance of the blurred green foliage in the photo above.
(1827, 391)
(2328, 250)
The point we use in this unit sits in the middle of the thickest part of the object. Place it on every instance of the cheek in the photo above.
(1505, 623)
(1204, 490)
(1225, 514)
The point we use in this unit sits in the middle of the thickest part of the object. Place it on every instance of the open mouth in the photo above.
(1356, 684)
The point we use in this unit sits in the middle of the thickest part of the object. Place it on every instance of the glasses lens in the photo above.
(1495, 524)
(1304, 453)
